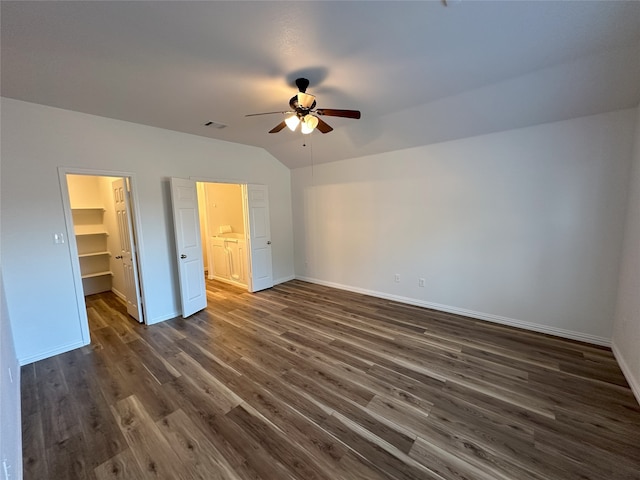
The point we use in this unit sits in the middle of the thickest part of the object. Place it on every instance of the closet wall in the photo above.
(224, 207)
(97, 235)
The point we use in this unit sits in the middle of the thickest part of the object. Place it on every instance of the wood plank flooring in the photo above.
(307, 382)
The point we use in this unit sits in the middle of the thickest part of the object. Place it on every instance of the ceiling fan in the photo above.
(304, 112)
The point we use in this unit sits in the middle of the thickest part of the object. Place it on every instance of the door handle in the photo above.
(183, 256)
(268, 242)
(118, 257)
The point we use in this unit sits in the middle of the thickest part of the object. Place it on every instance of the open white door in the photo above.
(127, 248)
(257, 207)
(186, 222)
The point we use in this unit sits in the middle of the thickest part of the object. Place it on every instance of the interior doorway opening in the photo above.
(189, 237)
(223, 227)
(102, 231)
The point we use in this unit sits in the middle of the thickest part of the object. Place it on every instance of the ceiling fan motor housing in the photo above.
(302, 84)
(300, 103)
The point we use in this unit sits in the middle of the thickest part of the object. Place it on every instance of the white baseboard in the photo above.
(284, 279)
(119, 294)
(633, 382)
(230, 282)
(51, 353)
(558, 332)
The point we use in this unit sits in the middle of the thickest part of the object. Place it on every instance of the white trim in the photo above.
(200, 179)
(73, 250)
(73, 258)
(284, 279)
(51, 353)
(633, 382)
(230, 282)
(119, 294)
(558, 332)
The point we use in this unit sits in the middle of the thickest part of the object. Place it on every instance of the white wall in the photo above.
(10, 413)
(521, 227)
(36, 140)
(626, 332)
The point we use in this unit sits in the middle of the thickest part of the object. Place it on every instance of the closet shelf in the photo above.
(84, 234)
(88, 209)
(94, 254)
(97, 274)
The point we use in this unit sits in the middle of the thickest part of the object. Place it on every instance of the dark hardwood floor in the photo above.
(307, 382)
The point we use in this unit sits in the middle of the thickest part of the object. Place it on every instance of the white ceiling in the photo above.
(420, 72)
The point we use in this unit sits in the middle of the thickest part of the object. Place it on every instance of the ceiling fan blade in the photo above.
(278, 127)
(323, 126)
(332, 112)
(265, 113)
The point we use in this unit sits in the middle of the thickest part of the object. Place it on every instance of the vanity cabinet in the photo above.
(228, 259)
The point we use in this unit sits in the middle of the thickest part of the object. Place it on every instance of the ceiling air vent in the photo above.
(217, 125)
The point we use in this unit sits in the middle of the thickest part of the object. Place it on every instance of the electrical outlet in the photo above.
(421, 282)
(396, 278)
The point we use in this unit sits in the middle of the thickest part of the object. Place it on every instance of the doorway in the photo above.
(191, 242)
(102, 238)
(222, 230)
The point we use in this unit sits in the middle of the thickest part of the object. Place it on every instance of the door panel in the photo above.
(257, 199)
(188, 245)
(127, 248)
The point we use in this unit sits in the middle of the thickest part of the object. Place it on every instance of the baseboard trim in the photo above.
(119, 294)
(229, 282)
(558, 332)
(633, 382)
(284, 279)
(51, 353)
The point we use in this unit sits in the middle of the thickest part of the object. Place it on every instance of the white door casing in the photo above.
(127, 251)
(186, 223)
(257, 208)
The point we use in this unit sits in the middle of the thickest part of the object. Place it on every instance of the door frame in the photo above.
(73, 249)
(245, 214)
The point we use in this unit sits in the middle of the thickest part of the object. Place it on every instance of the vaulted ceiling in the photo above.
(420, 72)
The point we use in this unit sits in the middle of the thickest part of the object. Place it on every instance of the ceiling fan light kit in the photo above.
(305, 100)
(308, 125)
(311, 121)
(292, 122)
(303, 105)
